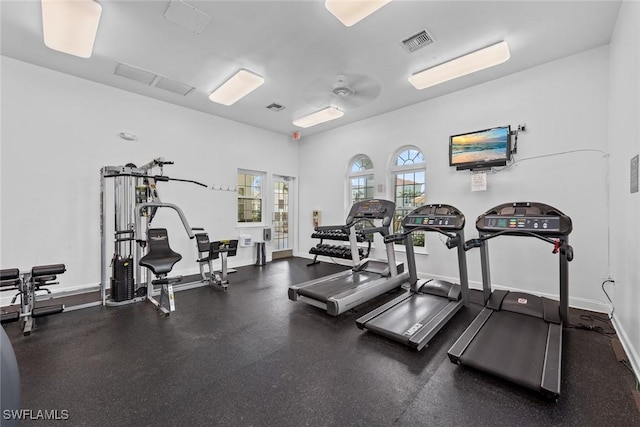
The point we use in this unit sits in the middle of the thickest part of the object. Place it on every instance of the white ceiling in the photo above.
(300, 48)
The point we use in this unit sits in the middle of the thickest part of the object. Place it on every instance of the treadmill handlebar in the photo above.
(452, 242)
(558, 245)
(382, 230)
(564, 248)
(393, 238)
(472, 243)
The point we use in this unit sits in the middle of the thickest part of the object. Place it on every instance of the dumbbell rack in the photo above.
(337, 251)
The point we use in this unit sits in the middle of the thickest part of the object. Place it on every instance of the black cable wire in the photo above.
(629, 367)
(595, 328)
(613, 309)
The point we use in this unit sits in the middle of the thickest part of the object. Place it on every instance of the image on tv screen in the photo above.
(479, 147)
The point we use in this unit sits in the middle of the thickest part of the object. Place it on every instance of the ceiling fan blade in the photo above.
(365, 90)
(318, 94)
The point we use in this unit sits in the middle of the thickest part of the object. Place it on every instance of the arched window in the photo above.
(360, 179)
(408, 177)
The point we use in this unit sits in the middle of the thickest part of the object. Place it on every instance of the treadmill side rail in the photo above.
(420, 339)
(340, 303)
(361, 321)
(459, 347)
(550, 382)
(293, 290)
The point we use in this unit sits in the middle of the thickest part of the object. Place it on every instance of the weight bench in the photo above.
(160, 259)
(209, 251)
(27, 285)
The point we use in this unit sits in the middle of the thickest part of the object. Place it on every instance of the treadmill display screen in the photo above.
(547, 224)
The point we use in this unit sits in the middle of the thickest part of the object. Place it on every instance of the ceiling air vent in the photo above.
(173, 86)
(275, 107)
(152, 79)
(416, 41)
(133, 73)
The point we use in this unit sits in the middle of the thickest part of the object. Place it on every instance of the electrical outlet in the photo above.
(522, 127)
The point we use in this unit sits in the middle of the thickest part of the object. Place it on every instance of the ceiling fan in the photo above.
(348, 91)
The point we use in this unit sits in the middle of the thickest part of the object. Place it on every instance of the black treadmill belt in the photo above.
(511, 346)
(419, 308)
(324, 290)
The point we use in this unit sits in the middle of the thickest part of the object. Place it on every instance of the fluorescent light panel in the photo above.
(467, 64)
(325, 115)
(241, 84)
(350, 12)
(70, 26)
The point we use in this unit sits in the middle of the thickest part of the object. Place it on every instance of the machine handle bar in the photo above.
(162, 178)
(382, 230)
(343, 228)
(452, 242)
(563, 248)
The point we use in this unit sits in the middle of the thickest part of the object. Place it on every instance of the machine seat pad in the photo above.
(10, 317)
(47, 310)
(160, 258)
(202, 239)
(214, 250)
(9, 274)
(48, 270)
(231, 247)
(11, 284)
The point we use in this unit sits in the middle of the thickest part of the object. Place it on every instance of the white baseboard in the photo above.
(581, 303)
(631, 352)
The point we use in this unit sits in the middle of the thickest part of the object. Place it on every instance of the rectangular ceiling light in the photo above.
(70, 26)
(350, 12)
(241, 84)
(467, 64)
(329, 113)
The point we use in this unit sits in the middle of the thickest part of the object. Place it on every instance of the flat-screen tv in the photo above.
(480, 149)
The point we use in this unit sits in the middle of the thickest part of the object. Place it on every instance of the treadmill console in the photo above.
(495, 222)
(445, 217)
(527, 216)
(372, 209)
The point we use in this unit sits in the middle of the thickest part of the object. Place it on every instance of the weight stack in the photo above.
(122, 285)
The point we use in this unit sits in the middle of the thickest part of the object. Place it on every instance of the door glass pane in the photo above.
(281, 215)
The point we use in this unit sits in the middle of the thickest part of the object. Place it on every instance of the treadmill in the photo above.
(414, 317)
(367, 279)
(518, 336)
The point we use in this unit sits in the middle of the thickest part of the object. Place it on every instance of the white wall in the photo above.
(564, 105)
(624, 135)
(58, 131)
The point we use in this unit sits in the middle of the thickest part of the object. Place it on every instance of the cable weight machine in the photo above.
(136, 201)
